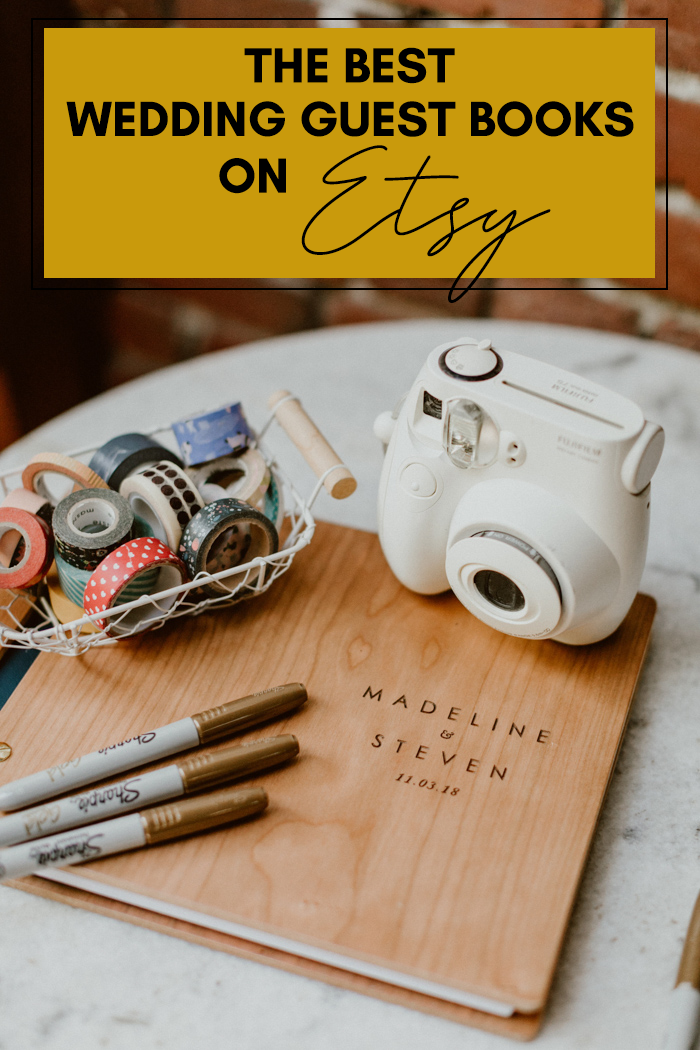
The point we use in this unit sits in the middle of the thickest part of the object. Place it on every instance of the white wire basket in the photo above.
(28, 621)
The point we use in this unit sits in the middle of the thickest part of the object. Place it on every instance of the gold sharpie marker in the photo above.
(198, 773)
(131, 832)
(202, 728)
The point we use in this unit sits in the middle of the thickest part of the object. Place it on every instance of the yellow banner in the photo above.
(438, 153)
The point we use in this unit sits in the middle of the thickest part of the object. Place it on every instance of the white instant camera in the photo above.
(522, 487)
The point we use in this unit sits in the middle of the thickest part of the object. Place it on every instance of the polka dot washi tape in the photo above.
(164, 498)
(122, 568)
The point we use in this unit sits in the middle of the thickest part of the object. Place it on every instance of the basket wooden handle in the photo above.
(312, 444)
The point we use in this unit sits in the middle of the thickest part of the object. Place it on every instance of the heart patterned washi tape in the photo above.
(112, 582)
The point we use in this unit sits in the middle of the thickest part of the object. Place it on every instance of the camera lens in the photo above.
(499, 590)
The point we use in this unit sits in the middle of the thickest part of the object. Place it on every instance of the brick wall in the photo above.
(162, 322)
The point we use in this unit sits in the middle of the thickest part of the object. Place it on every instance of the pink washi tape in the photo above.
(23, 499)
(37, 554)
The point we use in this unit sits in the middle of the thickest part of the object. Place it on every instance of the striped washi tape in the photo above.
(74, 581)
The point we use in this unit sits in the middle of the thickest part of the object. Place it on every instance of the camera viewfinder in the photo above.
(461, 430)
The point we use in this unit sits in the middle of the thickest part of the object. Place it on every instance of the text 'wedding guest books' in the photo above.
(427, 846)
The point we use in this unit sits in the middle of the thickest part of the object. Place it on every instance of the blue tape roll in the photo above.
(213, 434)
(125, 454)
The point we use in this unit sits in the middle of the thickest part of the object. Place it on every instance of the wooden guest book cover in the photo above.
(439, 817)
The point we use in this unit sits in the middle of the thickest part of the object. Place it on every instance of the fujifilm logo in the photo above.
(578, 393)
(578, 446)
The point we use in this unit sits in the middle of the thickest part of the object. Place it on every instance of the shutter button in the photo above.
(473, 360)
(417, 480)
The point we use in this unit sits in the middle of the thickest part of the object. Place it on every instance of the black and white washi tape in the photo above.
(165, 498)
(224, 534)
(90, 523)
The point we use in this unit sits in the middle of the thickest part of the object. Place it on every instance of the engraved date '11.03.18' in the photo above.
(430, 785)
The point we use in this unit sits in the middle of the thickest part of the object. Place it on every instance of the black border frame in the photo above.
(51, 283)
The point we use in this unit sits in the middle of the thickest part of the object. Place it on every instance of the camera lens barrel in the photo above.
(524, 562)
(505, 587)
(521, 545)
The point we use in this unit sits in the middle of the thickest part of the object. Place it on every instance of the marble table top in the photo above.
(72, 979)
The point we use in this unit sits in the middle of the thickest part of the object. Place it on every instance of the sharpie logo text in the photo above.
(83, 846)
(144, 738)
(126, 793)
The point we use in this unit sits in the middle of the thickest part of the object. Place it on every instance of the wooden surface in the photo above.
(470, 886)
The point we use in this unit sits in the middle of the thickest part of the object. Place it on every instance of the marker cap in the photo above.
(239, 714)
(204, 811)
(216, 767)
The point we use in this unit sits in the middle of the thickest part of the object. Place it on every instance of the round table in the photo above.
(74, 979)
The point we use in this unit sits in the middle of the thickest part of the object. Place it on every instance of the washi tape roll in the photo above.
(73, 582)
(66, 609)
(163, 497)
(141, 527)
(125, 567)
(212, 435)
(37, 553)
(126, 454)
(55, 463)
(11, 542)
(90, 523)
(23, 499)
(244, 477)
(272, 504)
(225, 534)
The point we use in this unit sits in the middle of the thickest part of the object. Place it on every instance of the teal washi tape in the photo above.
(74, 581)
(272, 506)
